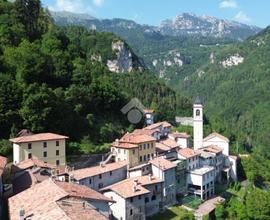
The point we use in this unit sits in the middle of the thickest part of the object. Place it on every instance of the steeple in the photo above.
(197, 123)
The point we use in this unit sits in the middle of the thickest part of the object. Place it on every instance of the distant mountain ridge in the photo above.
(205, 25)
(184, 24)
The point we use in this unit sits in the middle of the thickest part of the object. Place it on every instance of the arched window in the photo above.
(197, 112)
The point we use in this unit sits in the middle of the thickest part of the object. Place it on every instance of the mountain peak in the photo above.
(205, 25)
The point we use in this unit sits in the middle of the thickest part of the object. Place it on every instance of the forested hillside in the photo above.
(235, 88)
(50, 81)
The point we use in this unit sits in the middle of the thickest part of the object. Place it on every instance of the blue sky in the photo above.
(254, 12)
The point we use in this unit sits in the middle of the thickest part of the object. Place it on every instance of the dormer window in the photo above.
(198, 112)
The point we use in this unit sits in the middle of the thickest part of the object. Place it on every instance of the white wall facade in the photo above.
(108, 178)
(198, 126)
(220, 143)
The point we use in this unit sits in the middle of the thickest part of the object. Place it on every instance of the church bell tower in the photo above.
(197, 124)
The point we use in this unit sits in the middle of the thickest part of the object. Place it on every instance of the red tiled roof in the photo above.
(158, 124)
(215, 134)
(180, 135)
(162, 147)
(40, 201)
(136, 139)
(124, 145)
(96, 170)
(29, 163)
(162, 163)
(125, 188)
(170, 143)
(213, 149)
(81, 191)
(77, 210)
(188, 152)
(150, 111)
(143, 131)
(38, 137)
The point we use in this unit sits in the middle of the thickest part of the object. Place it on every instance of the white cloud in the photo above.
(228, 4)
(241, 16)
(76, 6)
(98, 2)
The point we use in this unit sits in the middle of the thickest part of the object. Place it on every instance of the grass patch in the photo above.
(191, 201)
(174, 213)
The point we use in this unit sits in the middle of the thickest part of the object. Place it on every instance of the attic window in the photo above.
(198, 112)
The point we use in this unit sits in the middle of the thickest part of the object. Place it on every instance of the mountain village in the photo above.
(145, 172)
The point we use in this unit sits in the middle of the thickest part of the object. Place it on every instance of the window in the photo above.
(140, 197)
(100, 185)
(144, 157)
(140, 158)
(144, 146)
(110, 173)
(133, 151)
(140, 147)
(198, 112)
(124, 151)
(140, 209)
(119, 151)
(153, 197)
(90, 181)
(152, 155)
(45, 154)
(131, 199)
(100, 176)
(44, 144)
(131, 212)
(148, 146)
(57, 152)
(143, 169)
(57, 143)
(147, 168)
(29, 146)
(156, 187)
(148, 156)
(146, 200)
(29, 156)
(152, 145)
(57, 162)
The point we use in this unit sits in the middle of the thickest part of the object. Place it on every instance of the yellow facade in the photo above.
(137, 155)
(52, 152)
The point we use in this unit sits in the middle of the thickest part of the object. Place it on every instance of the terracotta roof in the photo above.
(126, 188)
(38, 137)
(40, 201)
(3, 163)
(143, 131)
(158, 124)
(188, 152)
(162, 163)
(215, 134)
(29, 163)
(170, 143)
(78, 210)
(96, 170)
(148, 111)
(136, 139)
(81, 191)
(124, 145)
(179, 135)
(162, 147)
(213, 149)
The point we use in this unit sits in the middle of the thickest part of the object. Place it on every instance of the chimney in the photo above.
(21, 214)
(135, 182)
(134, 188)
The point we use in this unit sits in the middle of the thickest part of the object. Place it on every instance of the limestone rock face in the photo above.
(233, 60)
(125, 60)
